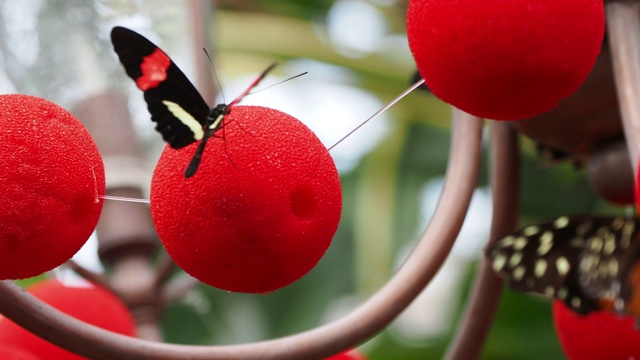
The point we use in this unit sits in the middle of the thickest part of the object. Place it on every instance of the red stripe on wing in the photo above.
(154, 70)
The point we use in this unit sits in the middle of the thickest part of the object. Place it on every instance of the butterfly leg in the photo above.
(197, 157)
(226, 151)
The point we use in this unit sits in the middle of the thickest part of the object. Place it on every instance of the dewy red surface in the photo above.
(347, 355)
(596, 336)
(9, 352)
(260, 211)
(505, 59)
(51, 174)
(94, 305)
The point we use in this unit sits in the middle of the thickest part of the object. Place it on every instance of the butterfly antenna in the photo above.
(197, 157)
(384, 108)
(278, 83)
(253, 84)
(215, 74)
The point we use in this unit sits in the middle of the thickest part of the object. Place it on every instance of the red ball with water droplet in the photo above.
(51, 176)
(91, 304)
(598, 335)
(505, 59)
(260, 211)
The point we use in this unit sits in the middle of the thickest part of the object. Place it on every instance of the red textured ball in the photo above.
(636, 189)
(505, 59)
(260, 211)
(8, 352)
(596, 336)
(91, 304)
(348, 355)
(51, 174)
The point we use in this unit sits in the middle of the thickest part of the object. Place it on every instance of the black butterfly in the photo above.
(590, 263)
(181, 114)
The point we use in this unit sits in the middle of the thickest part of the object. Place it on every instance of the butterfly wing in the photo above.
(174, 103)
(543, 259)
(608, 260)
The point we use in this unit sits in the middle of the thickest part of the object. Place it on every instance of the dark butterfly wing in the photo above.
(544, 258)
(608, 259)
(174, 103)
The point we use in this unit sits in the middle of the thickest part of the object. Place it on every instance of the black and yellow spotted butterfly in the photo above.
(181, 114)
(590, 263)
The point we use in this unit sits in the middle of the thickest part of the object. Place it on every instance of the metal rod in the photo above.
(623, 25)
(487, 288)
(364, 322)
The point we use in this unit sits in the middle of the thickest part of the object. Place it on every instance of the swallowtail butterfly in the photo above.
(590, 263)
(181, 114)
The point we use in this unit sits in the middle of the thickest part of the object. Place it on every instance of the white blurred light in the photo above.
(355, 27)
(432, 313)
(87, 257)
(476, 227)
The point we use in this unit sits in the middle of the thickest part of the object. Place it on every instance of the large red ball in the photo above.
(9, 352)
(51, 175)
(91, 304)
(505, 59)
(260, 211)
(596, 336)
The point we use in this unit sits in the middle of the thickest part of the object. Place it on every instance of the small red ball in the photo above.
(51, 174)
(260, 211)
(91, 304)
(596, 336)
(505, 59)
(348, 355)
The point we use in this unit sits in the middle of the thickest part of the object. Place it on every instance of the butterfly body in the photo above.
(179, 111)
(590, 263)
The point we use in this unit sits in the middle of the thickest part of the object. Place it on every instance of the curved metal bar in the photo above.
(371, 317)
(487, 289)
(623, 25)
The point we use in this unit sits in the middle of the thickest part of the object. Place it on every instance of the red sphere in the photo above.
(8, 352)
(596, 336)
(260, 211)
(91, 304)
(51, 174)
(505, 59)
(348, 355)
(636, 188)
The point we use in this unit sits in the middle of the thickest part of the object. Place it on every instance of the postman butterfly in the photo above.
(179, 111)
(590, 263)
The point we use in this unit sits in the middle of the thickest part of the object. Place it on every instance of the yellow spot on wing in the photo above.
(561, 222)
(185, 118)
(498, 262)
(540, 268)
(531, 230)
(518, 273)
(515, 259)
(520, 243)
(562, 265)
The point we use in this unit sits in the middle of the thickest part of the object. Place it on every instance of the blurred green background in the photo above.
(390, 170)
